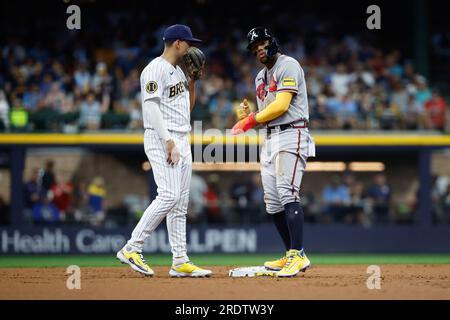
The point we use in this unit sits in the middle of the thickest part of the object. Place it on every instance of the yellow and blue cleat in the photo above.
(296, 261)
(277, 265)
(135, 260)
(188, 269)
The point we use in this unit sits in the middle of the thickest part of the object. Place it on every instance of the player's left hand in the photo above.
(245, 124)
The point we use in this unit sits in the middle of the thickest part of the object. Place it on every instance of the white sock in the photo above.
(130, 248)
(176, 261)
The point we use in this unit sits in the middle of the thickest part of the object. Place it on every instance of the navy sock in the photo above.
(294, 219)
(279, 219)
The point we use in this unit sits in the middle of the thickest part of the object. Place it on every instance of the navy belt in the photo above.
(297, 125)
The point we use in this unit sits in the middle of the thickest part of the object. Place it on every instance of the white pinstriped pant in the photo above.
(173, 194)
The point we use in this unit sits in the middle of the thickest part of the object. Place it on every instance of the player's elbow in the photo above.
(284, 100)
(284, 107)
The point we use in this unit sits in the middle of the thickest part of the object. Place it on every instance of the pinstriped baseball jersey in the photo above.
(167, 84)
(285, 75)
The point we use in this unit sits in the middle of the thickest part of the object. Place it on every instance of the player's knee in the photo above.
(171, 198)
(289, 195)
(271, 209)
(293, 210)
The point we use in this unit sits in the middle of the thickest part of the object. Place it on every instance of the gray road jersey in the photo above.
(285, 75)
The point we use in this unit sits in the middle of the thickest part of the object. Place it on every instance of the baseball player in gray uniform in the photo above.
(283, 109)
(167, 99)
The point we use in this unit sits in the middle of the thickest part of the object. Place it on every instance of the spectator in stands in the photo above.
(212, 202)
(222, 111)
(347, 111)
(311, 207)
(18, 117)
(4, 212)
(413, 115)
(135, 115)
(422, 92)
(32, 97)
(399, 95)
(4, 111)
(91, 111)
(44, 212)
(101, 82)
(82, 78)
(80, 201)
(389, 115)
(97, 194)
(436, 109)
(55, 98)
(335, 200)
(439, 189)
(62, 191)
(32, 192)
(446, 205)
(358, 205)
(197, 198)
(340, 80)
(48, 176)
(240, 193)
(379, 193)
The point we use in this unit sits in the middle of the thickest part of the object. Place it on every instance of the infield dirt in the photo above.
(319, 282)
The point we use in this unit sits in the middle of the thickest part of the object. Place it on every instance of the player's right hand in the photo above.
(173, 153)
(243, 110)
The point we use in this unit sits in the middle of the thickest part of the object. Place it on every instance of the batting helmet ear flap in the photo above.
(272, 48)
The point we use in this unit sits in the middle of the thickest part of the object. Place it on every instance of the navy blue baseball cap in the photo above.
(179, 32)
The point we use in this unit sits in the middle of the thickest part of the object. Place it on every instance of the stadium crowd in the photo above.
(69, 82)
(352, 84)
(52, 198)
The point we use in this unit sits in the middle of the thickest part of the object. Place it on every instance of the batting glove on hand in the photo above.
(243, 110)
(245, 124)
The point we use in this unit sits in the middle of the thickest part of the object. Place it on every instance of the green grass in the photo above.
(39, 261)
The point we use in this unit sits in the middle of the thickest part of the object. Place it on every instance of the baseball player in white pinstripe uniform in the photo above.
(167, 99)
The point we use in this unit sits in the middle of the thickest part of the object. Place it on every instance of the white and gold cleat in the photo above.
(188, 270)
(135, 260)
(297, 261)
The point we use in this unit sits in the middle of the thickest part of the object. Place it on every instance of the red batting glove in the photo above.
(245, 124)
